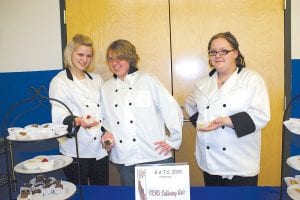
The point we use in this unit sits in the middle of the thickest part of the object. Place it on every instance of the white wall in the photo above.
(30, 35)
(295, 29)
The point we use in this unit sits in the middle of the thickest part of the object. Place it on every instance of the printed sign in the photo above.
(162, 181)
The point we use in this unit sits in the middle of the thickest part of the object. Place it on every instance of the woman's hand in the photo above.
(79, 121)
(217, 123)
(108, 141)
(89, 125)
(163, 147)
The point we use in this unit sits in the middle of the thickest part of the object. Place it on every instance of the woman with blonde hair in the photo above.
(80, 91)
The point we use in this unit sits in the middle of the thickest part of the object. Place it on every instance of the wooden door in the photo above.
(142, 22)
(258, 25)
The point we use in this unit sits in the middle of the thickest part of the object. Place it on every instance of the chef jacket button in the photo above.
(98, 105)
(223, 127)
(207, 147)
(207, 107)
(95, 138)
(118, 122)
(131, 121)
(116, 90)
(120, 141)
(130, 88)
(87, 106)
(100, 120)
(116, 105)
(134, 139)
(224, 149)
(130, 103)
(224, 105)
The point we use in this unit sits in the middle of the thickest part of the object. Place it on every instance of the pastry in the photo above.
(31, 164)
(25, 194)
(108, 141)
(58, 188)
(297, 190)
(41, 187)
(39, 178)
(47, 189)
(36, 194)
(22, 135)
(88, 119)
(46, 164)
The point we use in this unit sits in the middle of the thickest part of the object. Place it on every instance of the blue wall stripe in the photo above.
(14, 87)
(295, 110)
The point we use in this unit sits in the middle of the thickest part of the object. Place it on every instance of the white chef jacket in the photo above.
(83, 98)
(136, 111)
(221, 152)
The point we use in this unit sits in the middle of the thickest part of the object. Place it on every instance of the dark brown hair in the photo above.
(240, 62)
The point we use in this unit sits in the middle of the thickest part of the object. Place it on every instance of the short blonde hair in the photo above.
(78, 40)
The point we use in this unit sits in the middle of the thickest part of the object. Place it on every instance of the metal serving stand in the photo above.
(37, 95)
(286, 114)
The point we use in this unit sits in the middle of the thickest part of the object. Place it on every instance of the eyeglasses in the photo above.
(222, 52)
(117, 59)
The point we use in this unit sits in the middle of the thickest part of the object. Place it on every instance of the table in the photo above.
(207, 193)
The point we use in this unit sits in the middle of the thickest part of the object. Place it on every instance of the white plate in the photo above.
(292, 191)
(57, 135)
(60, 161)
(37, 132)
(293, 125)
(294, 162)
(291, 181)
(69, 190)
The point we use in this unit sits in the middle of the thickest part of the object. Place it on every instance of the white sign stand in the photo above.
(162, 181)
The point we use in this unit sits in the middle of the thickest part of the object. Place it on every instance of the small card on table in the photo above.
(162, 181)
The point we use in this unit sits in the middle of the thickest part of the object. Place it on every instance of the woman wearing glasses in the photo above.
(137, 108)
(229, 108)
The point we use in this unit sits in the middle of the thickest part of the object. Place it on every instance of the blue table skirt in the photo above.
(209, 193)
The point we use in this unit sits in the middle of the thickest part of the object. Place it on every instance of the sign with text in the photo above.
(162, 181)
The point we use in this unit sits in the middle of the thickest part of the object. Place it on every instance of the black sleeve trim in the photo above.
(69, 121)
(193, 119)
(103, 130)
(243, 124)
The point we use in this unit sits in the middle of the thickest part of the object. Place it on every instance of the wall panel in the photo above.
(142, 22)
(30, 35)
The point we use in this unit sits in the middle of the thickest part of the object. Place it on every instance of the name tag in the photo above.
(162, 181)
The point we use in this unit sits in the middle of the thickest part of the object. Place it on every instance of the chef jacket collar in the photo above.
(70, 76)
(130, 71)
(214, 70)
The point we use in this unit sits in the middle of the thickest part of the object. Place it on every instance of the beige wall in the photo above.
(295, 29)
(30, 35)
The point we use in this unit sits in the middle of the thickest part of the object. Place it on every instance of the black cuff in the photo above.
(103, 130)
(242, 123)
(193, 119)
(69, 121)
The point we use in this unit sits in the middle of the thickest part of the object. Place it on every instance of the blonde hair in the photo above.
(78, 40)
